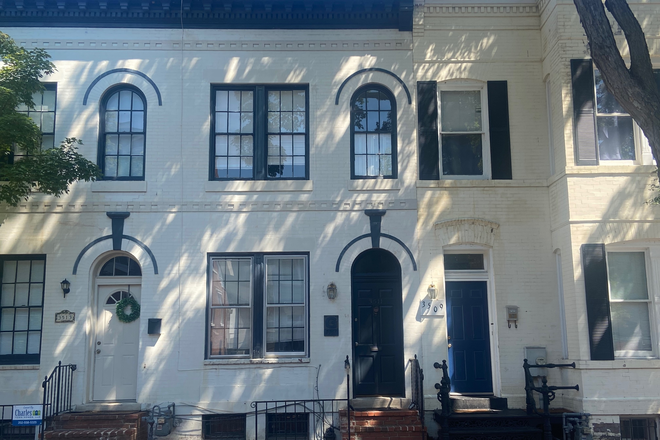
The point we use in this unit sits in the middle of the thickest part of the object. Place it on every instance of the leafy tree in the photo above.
(634, 87)
(50, 171)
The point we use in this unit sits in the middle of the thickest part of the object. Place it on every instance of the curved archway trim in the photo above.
(361, 237)
(373, 69)
(123, 70)
(109, 237)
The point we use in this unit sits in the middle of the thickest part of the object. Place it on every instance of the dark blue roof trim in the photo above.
(123, 70)
(109, 237)
(373, 69)
(361, 237)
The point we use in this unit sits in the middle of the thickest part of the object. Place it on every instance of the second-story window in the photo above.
(615, 125)
(373, 132)
(43, 115)
(123, 129)
(259, 132)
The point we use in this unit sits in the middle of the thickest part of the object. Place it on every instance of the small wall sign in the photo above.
(331, 325)
(432, 307)
(65, 316)
(26, 415)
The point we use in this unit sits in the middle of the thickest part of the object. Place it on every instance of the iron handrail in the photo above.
(417, 386)
(58, 389)
(444, 387)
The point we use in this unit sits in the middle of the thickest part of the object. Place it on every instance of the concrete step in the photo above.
(93, 434)
(106, 425)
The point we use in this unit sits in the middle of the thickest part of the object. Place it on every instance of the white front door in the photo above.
(115, 346)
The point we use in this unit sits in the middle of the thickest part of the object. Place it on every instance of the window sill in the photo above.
(481, 183)
(268, 361)
(259, 186)
(374, 185)
(19, 367)
(112, 186)
(631, 363)
(609, 168)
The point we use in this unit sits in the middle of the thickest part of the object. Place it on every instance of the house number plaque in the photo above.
(65, 316)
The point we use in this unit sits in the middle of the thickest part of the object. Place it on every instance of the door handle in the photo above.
(448, 345)
(98, 350)
(374, 348)
(356, 344)
(98, 342)
(448, 337)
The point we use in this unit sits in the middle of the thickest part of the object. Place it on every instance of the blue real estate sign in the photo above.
(27, 415)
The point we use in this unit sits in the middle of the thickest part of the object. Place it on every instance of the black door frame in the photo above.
(395, 280)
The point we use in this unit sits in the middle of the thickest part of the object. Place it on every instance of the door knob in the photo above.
(356, 344)
(448, 346)
(98, 350)
(98, 342)
(448, 337)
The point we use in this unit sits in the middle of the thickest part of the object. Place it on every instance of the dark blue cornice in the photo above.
(210, 14)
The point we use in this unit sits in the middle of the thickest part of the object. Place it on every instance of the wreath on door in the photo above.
(121, 309)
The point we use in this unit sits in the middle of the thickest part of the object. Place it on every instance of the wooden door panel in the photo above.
(469, 337)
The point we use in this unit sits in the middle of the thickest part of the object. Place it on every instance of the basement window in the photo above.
(224, 426)
(638, 429)
(287, 426)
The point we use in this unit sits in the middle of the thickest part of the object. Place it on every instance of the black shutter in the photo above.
(500, 137)
(427, 130)
(584, 117)
(598, 302)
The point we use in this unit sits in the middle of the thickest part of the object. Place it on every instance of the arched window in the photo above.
(120, 267)
(373, 133)
(123, 129)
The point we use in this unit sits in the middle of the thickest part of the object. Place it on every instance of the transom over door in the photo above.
(378, 365)
(469, 337)
(115, 347)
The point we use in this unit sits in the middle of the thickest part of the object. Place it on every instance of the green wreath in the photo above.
(135, 309)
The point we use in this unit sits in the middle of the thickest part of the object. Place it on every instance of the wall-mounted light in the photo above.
(66, 286)
(331, 291)
(432, 291)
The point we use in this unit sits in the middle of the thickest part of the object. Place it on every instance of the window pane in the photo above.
(123, 166)
(460, 110)
(5, 343)
(461, 155)
(234, 123)
(36, 294)
(360, 144)
(124, 121)
(20, 343)
(21, 319)
(48, 103)
(125, 97)
(246, 146)
(137, 102)
(273, 122)
(606, 103)
(137, 166)
(221, 100)
(34, 340)
(615, 138)
(286, 122)
(48, 122)
(37, 274)
(221, 123)
(360, 165)
(385, 165)
(21, 298)
(372, 144)
(234, 101)
(113, 102)
(110, 166)
(246, 123)
(221, 145)
(9, 272)
(111, 121)
(286, 100)
(124, 144)
(23, 271)
(111, 144)
(246, 101)
(464, 262)
(274, 100)
(137, 144)
(627, 275)
(137, 124)
(35, 319)
(47, 142)
(386, 143)
(630, 326)
(7, 320)
(299, 100)
(299, 145)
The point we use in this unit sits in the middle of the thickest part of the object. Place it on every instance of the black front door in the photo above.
(468, 333)
(377, 325)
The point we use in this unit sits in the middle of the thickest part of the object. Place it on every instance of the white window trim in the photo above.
(278, 354)
(485, 129)
(639, 140)
(562, 306)
(651, 259)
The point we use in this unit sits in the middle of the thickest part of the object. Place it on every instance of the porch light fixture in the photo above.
(432, 291)
(331, 291)
(66, 286)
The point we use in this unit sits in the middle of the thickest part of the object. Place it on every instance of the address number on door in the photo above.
(435, 307)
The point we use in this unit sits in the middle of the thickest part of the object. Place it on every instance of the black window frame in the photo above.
(260, 130)
(23, 359)
(287, 426)
(15, 153)
(210, 423)
(381, 88)
(101, 144)
(258, 305)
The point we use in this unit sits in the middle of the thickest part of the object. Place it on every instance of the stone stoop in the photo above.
(379, 424)
(98, 426)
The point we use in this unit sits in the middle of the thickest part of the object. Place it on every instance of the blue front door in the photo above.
(468, 334)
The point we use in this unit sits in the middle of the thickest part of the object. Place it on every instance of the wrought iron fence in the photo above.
(58, 388)
(417, 385)
(299, 419)
(9, 432)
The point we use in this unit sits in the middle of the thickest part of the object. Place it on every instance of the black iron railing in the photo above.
(58, 388)
(9, 432)
(417, 385)
(547, 392)
(443, 397)
(300, 419)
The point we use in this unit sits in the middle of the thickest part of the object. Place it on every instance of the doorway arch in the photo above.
(377, 309)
